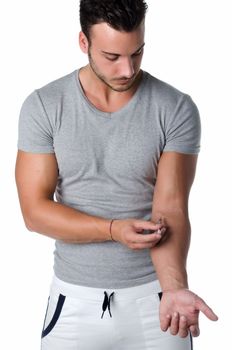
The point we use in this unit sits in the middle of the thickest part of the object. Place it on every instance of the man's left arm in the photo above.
(179, 308)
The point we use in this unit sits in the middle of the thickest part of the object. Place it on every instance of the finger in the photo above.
(165, 322)
(183, 328)
(174, 327)
(195, 331)
(147, 225)
(149, 238)
(207, 311)
(147, 245)
(161, 231)
(138, 246)
(153, 236)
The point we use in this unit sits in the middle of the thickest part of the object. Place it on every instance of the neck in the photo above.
(95, 86)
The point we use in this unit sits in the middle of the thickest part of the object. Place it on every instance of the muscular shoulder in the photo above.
(163, 93)
(52, 92)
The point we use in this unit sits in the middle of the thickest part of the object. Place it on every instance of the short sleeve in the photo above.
(183, 129)
(35, 133)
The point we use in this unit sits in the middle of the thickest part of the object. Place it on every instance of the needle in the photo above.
(159, 222)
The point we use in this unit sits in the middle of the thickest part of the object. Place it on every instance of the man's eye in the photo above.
(138, 53)
(112, 59)
(115, 58)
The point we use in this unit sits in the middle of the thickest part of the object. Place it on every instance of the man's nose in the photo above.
(127, 68)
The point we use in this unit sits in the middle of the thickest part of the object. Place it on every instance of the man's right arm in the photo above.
(36, 179)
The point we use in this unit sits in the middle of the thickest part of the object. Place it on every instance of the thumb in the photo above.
(207, 311)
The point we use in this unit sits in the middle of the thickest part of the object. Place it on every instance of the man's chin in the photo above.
(121, 87)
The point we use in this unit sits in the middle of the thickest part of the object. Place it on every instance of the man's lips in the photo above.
(123, 81)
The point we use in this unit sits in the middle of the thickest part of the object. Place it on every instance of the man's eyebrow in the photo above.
(116, 54)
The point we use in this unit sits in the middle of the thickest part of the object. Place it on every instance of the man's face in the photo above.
(114, 56)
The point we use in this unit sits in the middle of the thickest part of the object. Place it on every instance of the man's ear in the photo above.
(83, 42)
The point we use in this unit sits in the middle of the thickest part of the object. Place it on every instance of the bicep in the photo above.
(36, 178)
(175, 175)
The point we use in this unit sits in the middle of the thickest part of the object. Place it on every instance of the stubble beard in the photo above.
(103, 79)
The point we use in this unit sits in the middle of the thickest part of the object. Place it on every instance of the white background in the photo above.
(187, 45)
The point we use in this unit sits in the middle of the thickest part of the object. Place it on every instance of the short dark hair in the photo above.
(123, 15)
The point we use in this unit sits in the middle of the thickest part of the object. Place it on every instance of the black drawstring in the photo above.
(106, 303)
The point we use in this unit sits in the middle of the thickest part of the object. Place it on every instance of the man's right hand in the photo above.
(130, 233)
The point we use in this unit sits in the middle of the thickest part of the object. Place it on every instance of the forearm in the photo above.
(61, 222)
(170, 256)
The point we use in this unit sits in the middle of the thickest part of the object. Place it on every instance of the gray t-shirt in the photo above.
(107, 165)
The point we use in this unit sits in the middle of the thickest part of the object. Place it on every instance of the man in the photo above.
(119, 148)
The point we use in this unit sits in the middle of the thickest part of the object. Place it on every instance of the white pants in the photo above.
(86, 318)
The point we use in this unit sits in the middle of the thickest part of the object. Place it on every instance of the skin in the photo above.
(109, 82)
(179, 308)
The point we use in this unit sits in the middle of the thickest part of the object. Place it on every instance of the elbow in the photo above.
(29, 228)
(29, 224)
(29, 220)
(31, 216)
(174, 218)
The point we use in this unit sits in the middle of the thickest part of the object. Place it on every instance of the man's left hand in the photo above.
(179, 311)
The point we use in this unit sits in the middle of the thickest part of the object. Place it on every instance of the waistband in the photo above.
(83, 292)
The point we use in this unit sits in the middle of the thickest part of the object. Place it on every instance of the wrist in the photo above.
(174, 289)
(110, 230)
(103, 228)
(174, 281)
